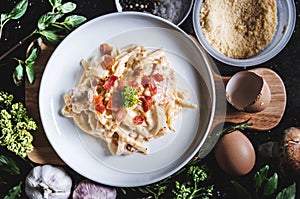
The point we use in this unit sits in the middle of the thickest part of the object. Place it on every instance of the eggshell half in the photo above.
(247, 91)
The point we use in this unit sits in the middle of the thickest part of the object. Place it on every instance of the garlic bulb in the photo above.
(87, 189)
(48, 182)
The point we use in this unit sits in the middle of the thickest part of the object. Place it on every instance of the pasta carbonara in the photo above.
(126, 97)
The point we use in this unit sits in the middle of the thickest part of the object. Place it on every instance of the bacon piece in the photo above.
(158, 77)
(147, 103)
(112, 105)
(109, 83)
(107, 62)
(152, 88)
(134, 84)
(139, 119)
(105, 49)
(121, 84)
(145, 80)
(120, 115)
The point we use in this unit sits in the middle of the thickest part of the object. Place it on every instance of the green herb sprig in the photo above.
(17, 12)
(130, 97)
(49, 27)
(192, 189)
(8, 165)
(18, 74)
(194, 184)
(15, 126)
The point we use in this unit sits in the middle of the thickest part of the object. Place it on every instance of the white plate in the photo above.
(90, 157)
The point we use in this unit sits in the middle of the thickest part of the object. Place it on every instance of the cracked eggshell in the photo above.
(247, 91)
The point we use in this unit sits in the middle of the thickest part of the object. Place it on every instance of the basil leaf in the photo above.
(19, 10)
(271, 185)
(47, 19)
(30, 73)
(67, 7)
(18, 73)
(55, 3)
(74, 21)
(32, 57)
(288, 192)
(14, 192)
(260, 176)
(241, 191)
(7, 164)
(49, 36)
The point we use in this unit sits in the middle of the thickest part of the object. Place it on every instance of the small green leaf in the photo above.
(49, 36)
(67, 7)
(260, 176)
(47, 19)
(241, 191)
(19, 10)
(74, 21)
(271, 185)
(14, 192)
(30, 73)
(288, 192)
(32, 57)
(55, 3)
(7, 164)
(19, 72)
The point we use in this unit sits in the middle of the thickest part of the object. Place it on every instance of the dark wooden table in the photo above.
(286, 64)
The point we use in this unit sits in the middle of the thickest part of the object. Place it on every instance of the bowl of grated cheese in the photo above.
(175, 11)
(245, 32)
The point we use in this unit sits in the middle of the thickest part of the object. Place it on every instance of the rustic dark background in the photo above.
(286, 64)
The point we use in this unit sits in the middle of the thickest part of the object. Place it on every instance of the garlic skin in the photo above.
(48, 182)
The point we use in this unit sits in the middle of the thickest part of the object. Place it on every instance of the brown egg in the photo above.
(247, 91)
(235, 153)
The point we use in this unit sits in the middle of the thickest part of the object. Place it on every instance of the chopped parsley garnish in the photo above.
(130, 97)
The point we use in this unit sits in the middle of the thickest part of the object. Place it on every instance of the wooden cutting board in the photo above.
(267, 119)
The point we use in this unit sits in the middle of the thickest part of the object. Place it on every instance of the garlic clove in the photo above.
(247, 91)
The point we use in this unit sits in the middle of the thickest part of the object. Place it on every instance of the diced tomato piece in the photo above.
(107, 62)
(100, 108)
(158, 77)
(152, 88)
(145, 80)
(109, 83)
(139, 119)
(105, 48)
(98, 99)
(120, 115)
